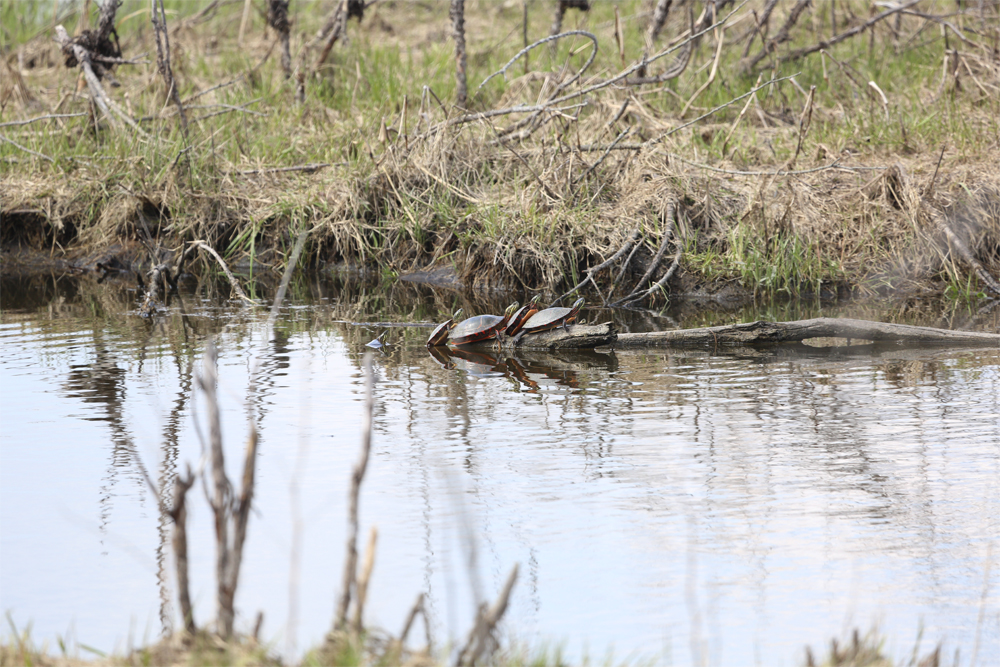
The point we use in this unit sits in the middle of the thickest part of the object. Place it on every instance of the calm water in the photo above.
(689, 507)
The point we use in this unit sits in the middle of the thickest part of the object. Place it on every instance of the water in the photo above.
(686, 507)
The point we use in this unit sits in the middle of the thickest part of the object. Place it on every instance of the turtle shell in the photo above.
(440, 335)
(550, 318)
(480, 327)
(522, 315)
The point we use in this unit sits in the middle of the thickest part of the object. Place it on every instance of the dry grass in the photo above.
(404, 190)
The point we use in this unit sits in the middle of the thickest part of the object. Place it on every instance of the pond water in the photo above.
(698, 507)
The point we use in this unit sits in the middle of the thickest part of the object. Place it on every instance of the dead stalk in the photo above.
(225, 269)
(481, 636)
(457, 16)
(366, 573)
(159, 18)
(667, 235)
(350, 563)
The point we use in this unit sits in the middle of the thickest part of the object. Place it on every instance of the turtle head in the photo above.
(534, 301)
(578, 304)
(511, 309)
(456, 315)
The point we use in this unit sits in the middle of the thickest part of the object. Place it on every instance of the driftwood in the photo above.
(575, 336)
(579, 337)
(761, 332)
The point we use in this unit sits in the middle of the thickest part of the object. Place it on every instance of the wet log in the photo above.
(573, 337)
(761, 332)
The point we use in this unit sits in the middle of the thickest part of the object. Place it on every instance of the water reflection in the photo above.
(690, 504)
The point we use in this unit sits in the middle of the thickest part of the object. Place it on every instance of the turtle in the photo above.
(550, 318)
(480, 327)
(522, 315)
(440, 334)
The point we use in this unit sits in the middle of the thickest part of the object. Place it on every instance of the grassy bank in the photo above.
(852, 168)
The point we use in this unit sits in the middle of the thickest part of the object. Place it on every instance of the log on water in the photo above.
(575, 336)
(761, 332)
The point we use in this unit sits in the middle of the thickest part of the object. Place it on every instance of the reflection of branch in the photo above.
(350, 564)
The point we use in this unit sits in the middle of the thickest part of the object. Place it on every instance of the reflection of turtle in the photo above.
(440, 335)
(481, 327)
(550, 318)
(522, 315)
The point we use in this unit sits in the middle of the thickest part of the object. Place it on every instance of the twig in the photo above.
(633, 237)
(350, 564)
(783, 33)
(719, 108)
(307, 168)
(277, 18)
(847, 34)
(805, 120)
(417, 607)
(159, 19)
(721, 39)
(285, 279)
(667, 235)
(534, 173)
(232, 279)
(662, 281)
(624, 133)
(659, 19)
(955, 241)
(743, 111)
(50, 116)
(775, 172)
(26, 150)
(523, 52)
(457, 15)
(481, 633)
(366, 573)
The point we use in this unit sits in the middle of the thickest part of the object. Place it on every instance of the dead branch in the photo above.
(653, 265)
(26, 150)
(307, 168)
(418, 607)
(633, 237)
(350, 563)
(81, 56)
(366, 573)
(481, 635)
(457, 16)
(720, 40)
(300, 243)
(761, 332)
(551, 38)
(659, 19)
(51, 116)
(277, 18)
(956, 242)
(225, 269)
(159, 19)
(847, 34)
(661, 283)
(771, 45)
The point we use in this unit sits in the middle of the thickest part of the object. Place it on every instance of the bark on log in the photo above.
(575, 336)
(761, 332)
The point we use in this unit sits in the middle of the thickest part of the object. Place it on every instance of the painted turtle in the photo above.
(480, 327)
(522, 315)
(440, 334)
(550, 318)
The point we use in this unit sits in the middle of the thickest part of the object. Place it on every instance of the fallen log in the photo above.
(761, 332)
(573, 337)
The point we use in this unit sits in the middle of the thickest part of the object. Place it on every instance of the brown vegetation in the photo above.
(802, 149)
